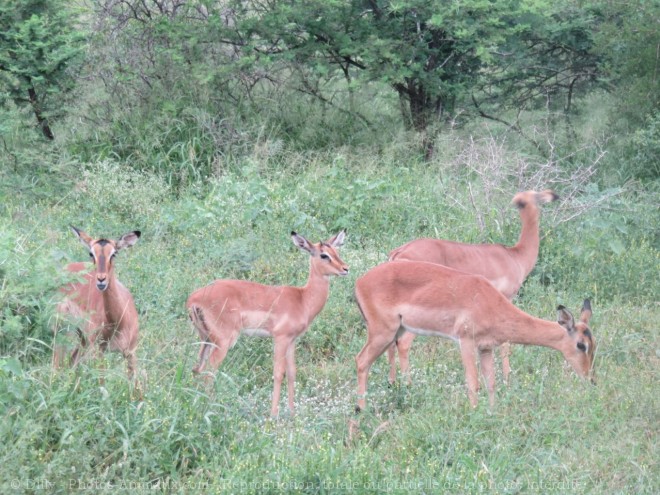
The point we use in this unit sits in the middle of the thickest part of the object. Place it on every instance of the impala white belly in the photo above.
(256, 332)
(429, 333)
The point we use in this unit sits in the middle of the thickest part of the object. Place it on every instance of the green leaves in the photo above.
(28, 281)
(39, 47)
(13, 385)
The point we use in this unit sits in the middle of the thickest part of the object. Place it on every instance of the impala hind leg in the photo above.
(196, 316)
(215, 354)
(131, 364)
(218, 355)
(391, 358)
(469, 358)
(378, 340)
(81, 349)
(487, 361)
(291, 373)
(204, 351)
(505, 352)
(403, 345)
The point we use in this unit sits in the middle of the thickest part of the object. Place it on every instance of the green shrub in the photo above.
(28, 282)
(644, 150)
(120, 191)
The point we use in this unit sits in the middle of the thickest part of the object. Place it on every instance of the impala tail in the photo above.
(197, 318)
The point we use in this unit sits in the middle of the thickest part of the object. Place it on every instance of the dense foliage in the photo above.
(39, 47)
(217, 127)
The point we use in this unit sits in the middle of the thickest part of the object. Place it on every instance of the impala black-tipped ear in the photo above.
(547, 196)
(565, 318)
(337, 240)
(128, 239)
(301, 243)
(84, 238)
(585, 314)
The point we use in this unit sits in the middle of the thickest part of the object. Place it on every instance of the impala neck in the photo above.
(527, 246)
(316, 290)
(114, 302)
(528, 330)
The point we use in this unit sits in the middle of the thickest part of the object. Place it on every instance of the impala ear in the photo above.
(301, 243)
(519, 201)
(586, 313)
(337, 240)
(565, 318)
(84, 238)
(547, 196)
(127, 240)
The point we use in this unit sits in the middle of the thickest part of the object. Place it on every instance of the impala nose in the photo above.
(101, 283)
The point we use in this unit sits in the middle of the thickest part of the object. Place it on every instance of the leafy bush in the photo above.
(121, 191)
(608, 251)
(645, 150)
(28, 281)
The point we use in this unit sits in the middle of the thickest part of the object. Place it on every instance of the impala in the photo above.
(102, 306)
(429, 299)
(505, 267)
(224, 309)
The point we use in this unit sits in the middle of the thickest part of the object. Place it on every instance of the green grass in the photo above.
(549, 432)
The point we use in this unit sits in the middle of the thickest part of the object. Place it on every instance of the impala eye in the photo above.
(91, 255)
(324, 256)
(582, 347)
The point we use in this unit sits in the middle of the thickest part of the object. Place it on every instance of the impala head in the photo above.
(522, 199)
(102, 253)
(581, 356)
(324, 255)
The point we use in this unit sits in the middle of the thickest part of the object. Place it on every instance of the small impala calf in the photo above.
(102, 305)
(223, 310)
(505, 267)
(429, 299)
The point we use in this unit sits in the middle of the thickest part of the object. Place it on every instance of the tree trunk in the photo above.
(404, 107)
(422, 110)
(419, 113)
(43, 121)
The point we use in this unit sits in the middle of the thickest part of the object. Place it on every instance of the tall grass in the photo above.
(550, 432)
